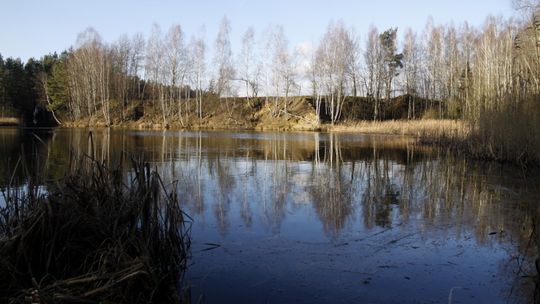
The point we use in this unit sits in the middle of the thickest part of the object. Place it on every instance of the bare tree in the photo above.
(176, 61)
(126, 57)
(373, 58)
(451, 71)
(411, 69)
(354, 69)
(154, 69)
(335, 55)
(289, 74)
(120, 53)
(265, 64)
(434, 63)
(88, 72)
(246, 62)
(315, 77)
(197, 51)
(222, 60)
(466, 38)
(283, 69)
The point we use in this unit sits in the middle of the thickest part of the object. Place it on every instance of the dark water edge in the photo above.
(319, 217)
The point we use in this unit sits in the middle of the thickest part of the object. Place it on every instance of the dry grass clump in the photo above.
(425, 128)
(95, 236)
(510, 134)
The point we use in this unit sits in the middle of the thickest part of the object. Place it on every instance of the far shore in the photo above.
(421, 128)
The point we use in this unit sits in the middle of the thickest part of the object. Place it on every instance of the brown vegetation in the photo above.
(93, 237)
(257, 114)
(424, 129)
(219, 114)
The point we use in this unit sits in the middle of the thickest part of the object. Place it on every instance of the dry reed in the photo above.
(425, 128)
(95, 236)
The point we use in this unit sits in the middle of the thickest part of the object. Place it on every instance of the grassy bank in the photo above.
(292, 114)
(93, 237)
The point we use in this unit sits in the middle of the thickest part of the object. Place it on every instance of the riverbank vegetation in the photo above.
(92, 237)
(487, 77)
(425, 129)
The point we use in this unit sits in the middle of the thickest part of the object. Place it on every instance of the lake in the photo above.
(320, 217)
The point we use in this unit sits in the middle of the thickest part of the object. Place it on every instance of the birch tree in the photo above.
(283, 69)
(198, 51)
(120, 53)
(434, 63)
(223, 59)
(246, 62)
(374, 70)
(466, 38)
(411, 69)
(266, 61)
(315, 77)
(336, 56)
(88, 71)
(177, 65)
(136, 56)
(154, 69)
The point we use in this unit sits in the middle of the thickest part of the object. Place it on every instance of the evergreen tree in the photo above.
(13, 81)
(392, 59)
(31, 85)
(57, 85)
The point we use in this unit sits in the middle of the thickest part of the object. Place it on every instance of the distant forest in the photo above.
(489, 76)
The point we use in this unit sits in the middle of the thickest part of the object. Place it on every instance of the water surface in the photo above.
(318, 217)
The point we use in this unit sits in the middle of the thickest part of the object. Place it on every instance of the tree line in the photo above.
(17, 86)
(468, 70)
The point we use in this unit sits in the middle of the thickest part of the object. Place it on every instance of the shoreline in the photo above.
(457, 135)
(430, 128)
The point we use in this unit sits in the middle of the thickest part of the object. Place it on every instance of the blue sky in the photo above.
(32, 28)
